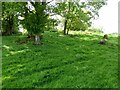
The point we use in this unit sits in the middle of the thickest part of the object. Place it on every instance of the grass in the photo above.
(72, 61)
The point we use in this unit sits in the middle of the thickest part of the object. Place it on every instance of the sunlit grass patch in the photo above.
(74, 61)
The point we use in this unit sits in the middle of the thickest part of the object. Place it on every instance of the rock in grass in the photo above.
(103, 41)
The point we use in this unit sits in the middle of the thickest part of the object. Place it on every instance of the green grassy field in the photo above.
(72, 61)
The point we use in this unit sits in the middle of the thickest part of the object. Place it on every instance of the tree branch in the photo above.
(49, 2)
(32, 3)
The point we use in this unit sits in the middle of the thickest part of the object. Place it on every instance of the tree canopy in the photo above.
(77, 15)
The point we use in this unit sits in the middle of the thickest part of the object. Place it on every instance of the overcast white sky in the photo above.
(108, 19)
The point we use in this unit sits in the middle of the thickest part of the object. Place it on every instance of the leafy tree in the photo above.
(10, 13)
(77, 15)
(35, 20)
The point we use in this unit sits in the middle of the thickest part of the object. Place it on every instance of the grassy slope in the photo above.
(62, 61)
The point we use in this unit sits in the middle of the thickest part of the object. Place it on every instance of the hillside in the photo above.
(72, 61)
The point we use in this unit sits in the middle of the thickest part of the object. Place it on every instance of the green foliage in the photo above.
(96, 30)
(61, 62)
(10, 13)
(50, 25)
(78, 15)
(35, 21)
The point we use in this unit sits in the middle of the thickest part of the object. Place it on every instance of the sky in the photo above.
(108, 17)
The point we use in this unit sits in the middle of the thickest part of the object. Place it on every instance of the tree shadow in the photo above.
(25, 60)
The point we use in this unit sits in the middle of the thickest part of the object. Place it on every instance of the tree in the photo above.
(35, 20)
(77, 15)
(10, 13)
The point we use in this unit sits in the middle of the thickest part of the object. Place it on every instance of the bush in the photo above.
(96, 30)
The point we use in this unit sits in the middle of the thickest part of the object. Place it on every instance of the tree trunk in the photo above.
(37, 40)
(69, 28)
(65, 26)
(0, 32)
(9, 28)
(68, 31)
(43, 2)
(11, 24)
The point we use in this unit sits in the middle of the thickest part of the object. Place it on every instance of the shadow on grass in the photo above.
(22, 61)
